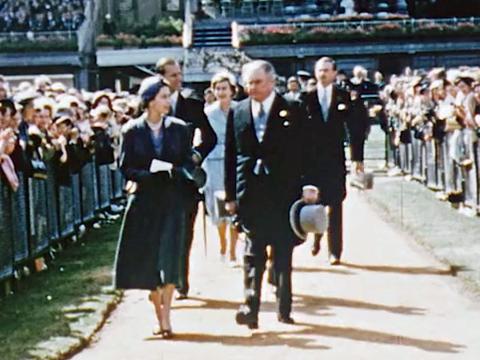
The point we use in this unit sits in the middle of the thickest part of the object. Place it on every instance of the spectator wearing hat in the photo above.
(58, 88)
(379, 80)
(311, 85)
(3, 88)
(303, 76)
(342, 80)
(155, 152)
(42, 84)
(192, 112)
(9, 117)
(466, 141)
(60, 133)
(103, 143)
(7, 147)
(102, 98)
(293, 87)
(208, 96)
(25, 99)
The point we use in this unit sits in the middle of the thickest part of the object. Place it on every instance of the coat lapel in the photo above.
(333, 102)
(273, 122)
(179, 107)
(147, 138)
(314, 106)
(246, 120)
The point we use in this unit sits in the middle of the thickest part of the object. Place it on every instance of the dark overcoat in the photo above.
(326, 155)
(191, 111)
(264, 201)
(150, 250)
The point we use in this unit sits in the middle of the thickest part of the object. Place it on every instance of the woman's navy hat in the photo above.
(149, 88)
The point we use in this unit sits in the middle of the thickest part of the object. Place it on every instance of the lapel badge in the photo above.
(283, 113)
(341, 107)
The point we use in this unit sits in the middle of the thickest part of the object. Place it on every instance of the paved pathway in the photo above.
(389, 300)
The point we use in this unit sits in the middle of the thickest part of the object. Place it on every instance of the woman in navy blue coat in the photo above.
(150, 250)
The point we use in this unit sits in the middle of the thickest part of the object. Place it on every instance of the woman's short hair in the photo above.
(224, 76)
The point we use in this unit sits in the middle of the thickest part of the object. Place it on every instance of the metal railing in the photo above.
(430, 162)
(408, 24)
(42, 212)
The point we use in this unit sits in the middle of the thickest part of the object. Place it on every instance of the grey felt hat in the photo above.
(307, 218)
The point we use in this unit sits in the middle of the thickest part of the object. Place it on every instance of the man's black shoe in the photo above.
(249, 319)
(286, 320)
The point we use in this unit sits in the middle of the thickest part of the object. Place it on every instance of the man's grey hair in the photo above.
(249, 68)
(327, 60)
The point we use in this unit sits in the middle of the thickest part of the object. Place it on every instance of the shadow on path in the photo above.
(309, 304)
(257, 338)
(194, 302)
(321, 270)
(292, 339)
(426, 270)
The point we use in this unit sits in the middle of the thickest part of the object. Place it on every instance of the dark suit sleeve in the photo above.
(357, 126)
(230, 161)
(303, 156)
(127, 160)
(209, 138)
(308, 146)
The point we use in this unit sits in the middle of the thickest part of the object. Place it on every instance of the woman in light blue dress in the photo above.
(223, 85)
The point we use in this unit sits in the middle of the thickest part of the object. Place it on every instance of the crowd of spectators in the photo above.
(47, 122)
(41, 15)
(433, 123)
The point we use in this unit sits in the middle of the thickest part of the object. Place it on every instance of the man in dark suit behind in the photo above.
(329, 111)
(263, 168)
(191, 111)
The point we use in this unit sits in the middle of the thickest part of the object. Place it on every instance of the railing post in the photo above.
(235, 35)
(187, 36)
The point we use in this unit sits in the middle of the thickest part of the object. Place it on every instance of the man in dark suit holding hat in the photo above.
(329, 110)
(263, 168)
(191, 111)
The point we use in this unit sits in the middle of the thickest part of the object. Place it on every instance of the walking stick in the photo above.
(204, 228)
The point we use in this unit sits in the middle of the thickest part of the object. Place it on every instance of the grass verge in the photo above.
(34, 312)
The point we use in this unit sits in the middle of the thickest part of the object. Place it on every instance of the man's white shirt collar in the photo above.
(267, 105)
(321, 89)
